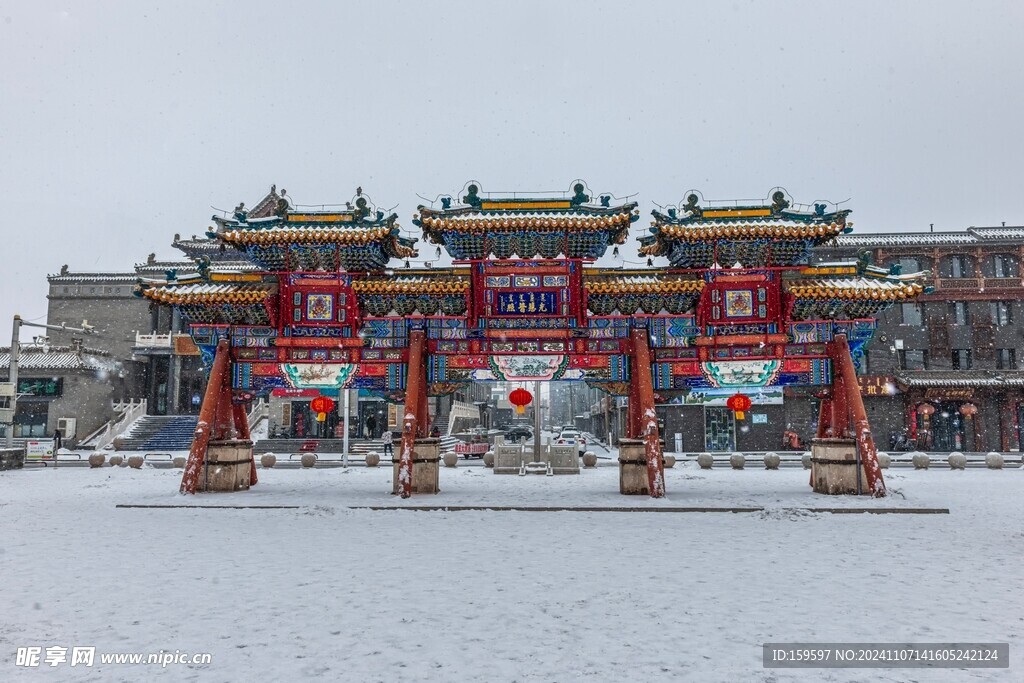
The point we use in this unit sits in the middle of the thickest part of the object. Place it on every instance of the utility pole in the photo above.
(536, 421)
(344, 425)
(572, 404)
(12, 378)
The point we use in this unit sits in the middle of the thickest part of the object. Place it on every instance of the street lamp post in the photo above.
(86, 328)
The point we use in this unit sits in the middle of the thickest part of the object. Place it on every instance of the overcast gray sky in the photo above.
(122, 123)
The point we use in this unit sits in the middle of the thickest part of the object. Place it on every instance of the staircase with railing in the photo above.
(127, 413)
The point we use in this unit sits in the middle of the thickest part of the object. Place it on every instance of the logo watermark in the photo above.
(85, 655)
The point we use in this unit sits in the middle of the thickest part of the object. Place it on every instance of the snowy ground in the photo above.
(328, 592)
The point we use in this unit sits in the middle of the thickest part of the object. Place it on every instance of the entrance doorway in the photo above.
(373, 419)
(304, 424)
(948, 427)
(1020, 427)
(719, 429)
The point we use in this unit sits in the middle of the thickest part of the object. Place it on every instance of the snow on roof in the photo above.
(34, 357)
(961, 378)
(93, 277)
(971, 235)
(1000, 233)
(909, 238)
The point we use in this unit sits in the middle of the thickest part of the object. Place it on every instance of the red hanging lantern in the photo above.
(321, 405)
(738, 403)
(968, 410)
(926, 410)
(520, 398)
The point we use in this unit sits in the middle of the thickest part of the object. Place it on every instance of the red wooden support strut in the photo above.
(415, 384)
(842, 360)
(423, 410)
(207, 418)
(648, 418)
(825, 419)
(242, 430)
(840, 409)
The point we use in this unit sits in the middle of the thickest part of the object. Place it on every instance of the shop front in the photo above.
(701, 421)
(968, 411)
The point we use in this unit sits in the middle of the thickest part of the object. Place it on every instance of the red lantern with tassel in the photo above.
(321, 405)
(520, 398)
(738, 404)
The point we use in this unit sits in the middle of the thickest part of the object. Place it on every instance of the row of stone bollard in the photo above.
(921, 461)
(957, 460)
(738, 461)
(135, 462)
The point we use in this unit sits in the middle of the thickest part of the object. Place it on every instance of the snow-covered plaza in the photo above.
(327, 591)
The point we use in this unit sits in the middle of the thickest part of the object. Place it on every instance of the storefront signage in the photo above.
(50, 387)
(877, 385)
(759, 418)
(759, 396)
(949, 394)
(284, 392)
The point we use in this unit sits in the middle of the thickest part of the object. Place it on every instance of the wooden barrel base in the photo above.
(228, 466)
(426, 457)
(834, 468)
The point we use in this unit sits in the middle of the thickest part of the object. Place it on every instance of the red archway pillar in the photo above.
(412, 411)
(647, 419)
(842, 367)
(218, 420)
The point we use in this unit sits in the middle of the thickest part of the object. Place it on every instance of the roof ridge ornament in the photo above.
(691, 206)
(780, 203)
(579, 196)
(472, 197)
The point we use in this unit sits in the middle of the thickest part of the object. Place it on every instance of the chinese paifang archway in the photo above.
(736, 307)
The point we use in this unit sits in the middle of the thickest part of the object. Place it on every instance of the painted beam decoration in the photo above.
(307, 300)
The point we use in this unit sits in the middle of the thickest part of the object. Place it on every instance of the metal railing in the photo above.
(260, 411)
(152, 340)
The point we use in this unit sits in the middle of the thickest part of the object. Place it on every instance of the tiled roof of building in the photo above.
(96, 278)
(40, 357)
(855, 288)
(960, 378)
(642, 284)
(401, 284)
(207, 293)
(971, 235)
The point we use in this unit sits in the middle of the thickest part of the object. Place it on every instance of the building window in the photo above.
(1004, 265)
(958, 313)
(1002, 312)
(959, 266)
(912, 314)
(961, 359)
(909, 264)
(913, 359)
(1006, 359)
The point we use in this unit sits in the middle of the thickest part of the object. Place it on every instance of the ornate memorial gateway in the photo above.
(330, 306)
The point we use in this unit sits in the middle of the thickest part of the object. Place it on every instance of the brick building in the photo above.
(951, 359)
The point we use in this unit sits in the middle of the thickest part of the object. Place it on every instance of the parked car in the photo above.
(514, 434)
(572, 436)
